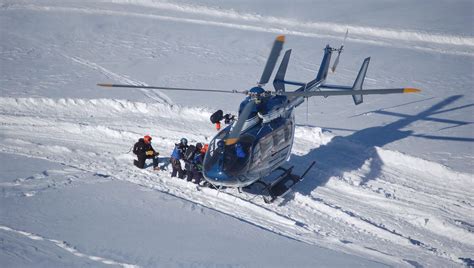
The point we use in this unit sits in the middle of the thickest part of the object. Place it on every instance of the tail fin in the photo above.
(358, 99)
(324, 68)
(279, 81)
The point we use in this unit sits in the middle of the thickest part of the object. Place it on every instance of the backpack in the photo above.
(138, 146)
(189, 154)
(217, 116)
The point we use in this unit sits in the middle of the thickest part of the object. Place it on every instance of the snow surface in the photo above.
(393, 178)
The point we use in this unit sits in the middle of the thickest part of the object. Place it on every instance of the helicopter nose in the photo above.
(217, 176)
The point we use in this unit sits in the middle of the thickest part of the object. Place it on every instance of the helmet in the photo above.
(147, 138)
(204, 148)
(184, 141)
(199, 146)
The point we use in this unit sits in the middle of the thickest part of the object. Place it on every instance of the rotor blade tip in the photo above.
(410, 90)
(280, 38)
(105, 85)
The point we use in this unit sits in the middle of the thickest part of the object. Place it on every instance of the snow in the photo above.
(102, 221)
(393, 180)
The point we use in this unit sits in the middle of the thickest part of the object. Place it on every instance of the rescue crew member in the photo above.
(143, 150)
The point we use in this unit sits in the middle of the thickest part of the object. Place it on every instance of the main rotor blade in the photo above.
(237, 128)
(350, 92)
(174, 88)
(272, 59)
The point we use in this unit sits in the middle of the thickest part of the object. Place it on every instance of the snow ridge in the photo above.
(64, 245)
(335, 28)
(97, 107)
(438, 43)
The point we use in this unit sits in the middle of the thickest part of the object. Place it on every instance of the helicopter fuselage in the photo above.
(264, 144)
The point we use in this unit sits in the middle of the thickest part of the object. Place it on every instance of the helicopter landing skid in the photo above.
(283, 184)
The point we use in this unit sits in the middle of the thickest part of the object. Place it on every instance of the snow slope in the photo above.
(393, 179)
(79, 218)
(385, 208)
(174, 43)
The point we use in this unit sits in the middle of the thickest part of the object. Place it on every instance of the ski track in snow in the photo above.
(431, 42)
(65, 246)
(156, 96)
(124, 79)
(374, 203)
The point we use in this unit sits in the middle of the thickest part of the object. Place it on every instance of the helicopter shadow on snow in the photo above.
(351, 153)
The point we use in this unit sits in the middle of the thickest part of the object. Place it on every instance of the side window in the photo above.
(288, 128)
(266, 146)
(279, 136)
(256, 157)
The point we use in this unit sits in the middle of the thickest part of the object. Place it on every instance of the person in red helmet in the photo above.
(143, 150)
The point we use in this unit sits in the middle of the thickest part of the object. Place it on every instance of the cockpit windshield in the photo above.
(229, 159)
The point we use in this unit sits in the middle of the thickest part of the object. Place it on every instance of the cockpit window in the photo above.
(215, 149)
(232, 159)
(237, 156)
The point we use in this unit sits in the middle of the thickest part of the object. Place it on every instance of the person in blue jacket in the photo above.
(197, 165)
(176, 155)
(239, 151)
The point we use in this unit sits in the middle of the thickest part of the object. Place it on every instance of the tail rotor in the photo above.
(339, 51)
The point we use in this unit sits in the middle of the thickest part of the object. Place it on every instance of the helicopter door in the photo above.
(262, 151)
(288, 128)
(279, 136)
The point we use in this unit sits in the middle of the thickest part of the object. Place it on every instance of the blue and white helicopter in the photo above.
(259, 142)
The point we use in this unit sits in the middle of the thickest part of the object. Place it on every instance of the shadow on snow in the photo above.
(350, 153)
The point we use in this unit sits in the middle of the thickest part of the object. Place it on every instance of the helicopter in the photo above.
(259, 142)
